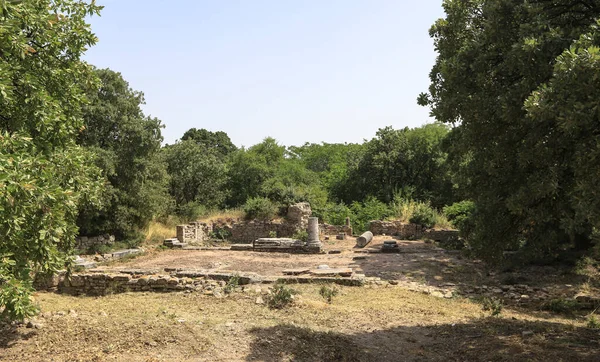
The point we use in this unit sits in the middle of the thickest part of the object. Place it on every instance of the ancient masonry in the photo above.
(88, 242)
(411, 231)
(296, 220)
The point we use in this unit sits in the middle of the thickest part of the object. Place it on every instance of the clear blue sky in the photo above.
(298, 71)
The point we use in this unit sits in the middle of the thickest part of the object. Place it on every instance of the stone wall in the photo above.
(411, 231)
(248, 232)
(326, 229)
(103, 284)
(93, 242)
(194, 232)
(396, 228)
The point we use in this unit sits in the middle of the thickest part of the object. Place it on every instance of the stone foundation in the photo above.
(326, 229)
(411, 231)
(194, 232)
(93, 242)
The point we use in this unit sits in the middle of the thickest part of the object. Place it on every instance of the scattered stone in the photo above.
(336, 251)
(34, 324)
(360, 257)
(448, 295)
(526, 334)
(259, 300)
(181, 321)
(323, 266)
(341, 236)
(393, 282)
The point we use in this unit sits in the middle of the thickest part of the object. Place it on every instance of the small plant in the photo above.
(301, 235)
(593, 322)
(280, 297)
(493, 305)
(232, 283)
(561, 305)
(260, 208)
(272, 234)
(328, 293)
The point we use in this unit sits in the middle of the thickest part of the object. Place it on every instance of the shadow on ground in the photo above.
(483, 340)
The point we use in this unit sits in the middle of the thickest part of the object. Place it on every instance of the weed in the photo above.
(493, 305)
(593, 322)
(232, 283)
(280, 297)
(561, 305)
(272, 234)
(328, 293)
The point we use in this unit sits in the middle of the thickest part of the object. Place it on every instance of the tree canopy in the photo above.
(518, 79)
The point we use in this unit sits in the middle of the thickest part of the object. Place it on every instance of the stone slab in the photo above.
(343, 272)
(296, 271)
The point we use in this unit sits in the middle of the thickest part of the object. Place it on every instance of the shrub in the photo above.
(301, 235)
(460, 215)
(280, 297)
(191, 211)
(260, 208)
(493, 305)
(423, 214)
(370, 209)
(561, 305)
(328, 293)
(334, 214)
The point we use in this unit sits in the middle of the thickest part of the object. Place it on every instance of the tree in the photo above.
(218, 141)
(44, 175)
(518, 82)
(406, 161)
(127, 145)
(198, 177)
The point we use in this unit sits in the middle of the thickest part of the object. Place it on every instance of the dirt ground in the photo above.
(362, 324)
(416, 261)
(377, 322)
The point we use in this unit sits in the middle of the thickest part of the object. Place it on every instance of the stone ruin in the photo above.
(411, 231)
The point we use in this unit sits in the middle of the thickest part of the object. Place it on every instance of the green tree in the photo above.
(44, 175)
(518, 79)
(198, 177)
(127, 145)
(407, 161)
(218, 141)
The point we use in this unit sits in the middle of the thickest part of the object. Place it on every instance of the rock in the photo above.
(448, 295)
(259, 300)
(217, 294)
(497, 290)
(526, 334)
(323, 266)
(181, 321)
(34, 324)
(393, 282)
(437, 294)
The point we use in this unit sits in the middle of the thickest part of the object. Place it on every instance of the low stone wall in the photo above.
(396, 228)
(248, 232)
(442, 236)
(326, 229)
(102, 284)
(92, 242)
(194, 232)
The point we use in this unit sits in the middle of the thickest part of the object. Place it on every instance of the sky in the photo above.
(330, 71)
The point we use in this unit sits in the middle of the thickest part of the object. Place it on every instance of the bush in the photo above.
(424, 214)
(280, 297)
(328, 293)
(260, 208)
(232, 283)
(460, 215)
(301, 235)
(560, 305)
(191, 211)
(370, 209)
(334, 214)
(493, 305)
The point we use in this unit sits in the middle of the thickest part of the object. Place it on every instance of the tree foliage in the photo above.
(44, 175)
(520, 80)
(127, 145)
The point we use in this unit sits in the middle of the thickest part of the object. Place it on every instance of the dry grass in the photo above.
(223, 214)
(362, 324)
(404, 209)
(157, 232)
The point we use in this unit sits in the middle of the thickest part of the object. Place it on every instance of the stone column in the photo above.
(347, 220)
(313, 232)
